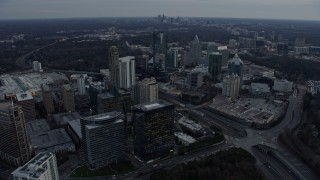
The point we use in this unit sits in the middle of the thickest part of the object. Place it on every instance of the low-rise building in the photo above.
(185, 139)
(282, 85)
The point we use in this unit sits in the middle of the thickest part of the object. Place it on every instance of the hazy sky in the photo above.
(274, 9)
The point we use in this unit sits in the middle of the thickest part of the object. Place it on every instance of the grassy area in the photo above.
(200, 144)
(119, 168)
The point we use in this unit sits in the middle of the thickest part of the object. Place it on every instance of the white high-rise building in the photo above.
(145, 91)
(231, 86)
(42, 167)
(81, 82)
(127, 72)
(36, 66)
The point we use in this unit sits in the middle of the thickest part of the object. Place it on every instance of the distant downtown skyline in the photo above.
(270, 9)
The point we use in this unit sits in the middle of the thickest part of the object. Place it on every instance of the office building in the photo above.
(94, 90)
(172, 60)
(127, 72)
(125, 97)
(27, 103)
(235, 67)
(81, 83)
(160, 45)
(231, 86)
(142, 62)
(14, 143)
(36, 66)
(103, 139)
(114, 66)
(68, 98)
(195, 53)
(153, 126)
(215, 65)
(47, 99)
(225, 55)
(145, 91)
(107, 103)
(42, 167)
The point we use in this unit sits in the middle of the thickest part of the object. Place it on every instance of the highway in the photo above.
(235, 137)
(234, 133)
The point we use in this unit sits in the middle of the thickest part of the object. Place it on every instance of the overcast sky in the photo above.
(273, 9)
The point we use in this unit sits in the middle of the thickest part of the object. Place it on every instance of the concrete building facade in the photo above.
(14, 143)
(42, 167)
(68, 98)
(231, 86)
(114, 66)
(146, 91)
(103, 139)
(127, 71)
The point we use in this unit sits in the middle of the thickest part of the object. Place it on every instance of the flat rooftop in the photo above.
(53, 140)
(152, 105)
(31, 169)
(24, 96)
(64, 118)
(37, 126)
(19, 83)
(103, 117)
(105, 95)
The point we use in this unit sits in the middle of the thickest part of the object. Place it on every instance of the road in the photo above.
(271, 168)
(21, 61)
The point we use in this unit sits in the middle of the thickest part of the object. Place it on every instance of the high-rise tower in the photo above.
(114, 66)
(14, 143)
(215, 65)
(103, 139)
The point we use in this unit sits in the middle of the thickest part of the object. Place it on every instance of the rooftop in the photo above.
(24, 96)
(32, 169)
(105, 95)
(236, 60)
(52, 140)
(75, 125)
(126, 58)
(37, 126)
(152, 105)
(103, 117)
(64, 118)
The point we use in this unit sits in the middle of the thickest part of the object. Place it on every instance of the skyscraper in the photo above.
(145, 91)
(103, 139)
(14, 143)
(107, 103)
(159, 48)
(81, 83)
(127, 72)
(215, 65)
(47, 99)
(42, 167)
(195, 53)
(153, 126)
(114, 66)
(27, 103)
(231, 86)
(235, 67)
(68, 98)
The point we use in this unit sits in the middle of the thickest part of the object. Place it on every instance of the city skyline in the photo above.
(283, 9)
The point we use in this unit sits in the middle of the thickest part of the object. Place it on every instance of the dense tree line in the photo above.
(234, 164)
(293, 69)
